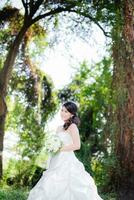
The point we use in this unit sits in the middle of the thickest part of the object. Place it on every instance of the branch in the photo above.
(34, 7)
(31, 5)
(25, 4)
(52, 12)
(69, 9)
(92, 19)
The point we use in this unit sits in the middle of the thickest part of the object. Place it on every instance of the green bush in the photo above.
(21, 173)
(6, 194)
(105, 171)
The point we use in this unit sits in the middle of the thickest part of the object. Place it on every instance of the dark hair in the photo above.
(72, 108)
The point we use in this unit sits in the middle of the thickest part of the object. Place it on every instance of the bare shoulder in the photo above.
(73, 128)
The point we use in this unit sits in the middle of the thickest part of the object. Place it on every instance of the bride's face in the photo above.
(65, 114)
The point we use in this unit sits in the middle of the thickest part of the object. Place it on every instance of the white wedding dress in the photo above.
(65, 178)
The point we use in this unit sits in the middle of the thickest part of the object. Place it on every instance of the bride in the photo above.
(66, 177)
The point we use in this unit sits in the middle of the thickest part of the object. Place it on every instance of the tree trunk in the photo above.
(124, 85)
(5, 75)
(3, 111)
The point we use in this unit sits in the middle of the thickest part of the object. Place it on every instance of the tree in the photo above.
(31, 100)
(28, 81)
(123, 91)
(123, 54)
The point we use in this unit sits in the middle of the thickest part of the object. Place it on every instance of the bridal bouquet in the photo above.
(52, 143)
(51, 146)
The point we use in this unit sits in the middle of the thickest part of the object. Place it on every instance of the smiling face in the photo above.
(65, 114)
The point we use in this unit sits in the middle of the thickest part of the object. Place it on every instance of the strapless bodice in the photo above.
(65, 137)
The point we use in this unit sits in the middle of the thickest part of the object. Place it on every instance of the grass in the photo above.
(10, 194)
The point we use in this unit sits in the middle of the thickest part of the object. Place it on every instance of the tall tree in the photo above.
(119, 15)
(123, 55)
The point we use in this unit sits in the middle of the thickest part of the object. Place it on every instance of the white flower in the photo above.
(52, 143)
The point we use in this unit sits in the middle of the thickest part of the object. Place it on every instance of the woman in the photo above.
(66, 178)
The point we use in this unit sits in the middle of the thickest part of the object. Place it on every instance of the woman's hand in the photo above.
(61, 149)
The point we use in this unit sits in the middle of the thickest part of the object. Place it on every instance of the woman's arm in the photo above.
(73, 130)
